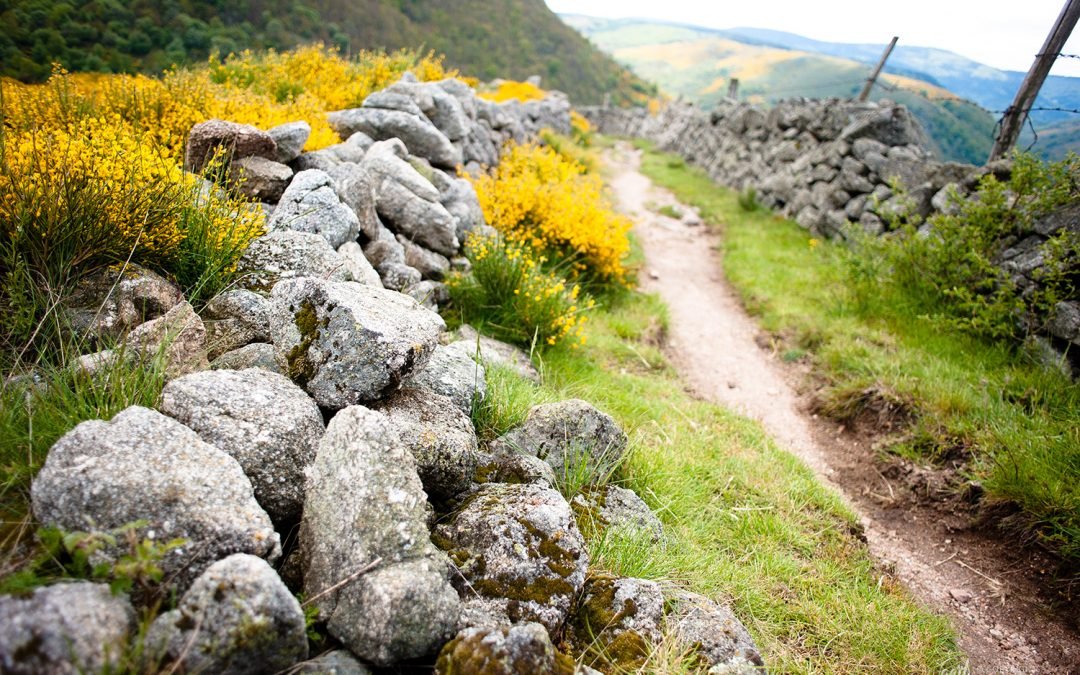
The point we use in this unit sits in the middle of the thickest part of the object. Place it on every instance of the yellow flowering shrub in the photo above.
(580, 129)
(517, 298)
(539, 197)
(510, 89)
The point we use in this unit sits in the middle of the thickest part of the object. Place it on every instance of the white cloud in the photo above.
(998, 33)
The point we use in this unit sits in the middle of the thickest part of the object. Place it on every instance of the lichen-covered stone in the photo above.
(416, 131)
(714, 632)
(618, 621)
(515, 468)
(440, 437)
(144, 466)
(254, 355)
(526, 648)
(565, 434)
(398, 276)
(65, 629)
(453, 373)
(109, 303)
(287, 254)
(616, 507)
(346, 343)
(238, 618)
(233, 319)
(178, 337)
(311, 204)
(365, 503)
(519, 546)
(263, 420)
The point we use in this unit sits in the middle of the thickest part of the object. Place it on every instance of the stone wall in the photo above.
(831, 163)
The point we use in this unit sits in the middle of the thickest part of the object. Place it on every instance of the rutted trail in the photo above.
(712, 344)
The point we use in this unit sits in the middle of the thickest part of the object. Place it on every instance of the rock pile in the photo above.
(337, 409)
(832, 164)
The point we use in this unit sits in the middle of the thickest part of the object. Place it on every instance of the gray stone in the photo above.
(290, 139)
(357, 264)
(234, 140)
(514, 468)
(615, 507)
(65, 629)
(263, 420)
(383, 251)
(345, 343)
(490, 351)
(352, 149)
(566, 433)
(891, 125)
(390, 159)
(110, 303)
(233, 319)
(287, 254)
(427, 223)
(398, 276)
(355, 187)
(454, 373)
(416, 131)
(144, 466)
(619, 621)
(440, 437)
(178, 337)
(518, 546)
(714, 633)
(871, 224)
(430, 294)
(863, 147)
(365, 504)
(337, 662)
(237, 618)
(390, 100)
(1065, 323)
(431, 265)
(259, 179)
(255, 355)
(810, 218)
(506, 650)
(311, 205)
(855, 183)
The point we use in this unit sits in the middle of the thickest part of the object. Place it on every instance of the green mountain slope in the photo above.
(484, 38)
(697, 64)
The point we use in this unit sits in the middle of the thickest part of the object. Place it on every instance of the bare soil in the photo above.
(920, 522)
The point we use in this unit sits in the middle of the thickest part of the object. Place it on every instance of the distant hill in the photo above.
(483, 38)
(951, 95)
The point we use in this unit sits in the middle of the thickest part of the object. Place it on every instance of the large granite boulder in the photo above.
(290, 139)
(238, 618)
(365, 517)
(66, 629)
(519, 547)
(144, 466)
(345, 343)
(263, 420)
(259, 179)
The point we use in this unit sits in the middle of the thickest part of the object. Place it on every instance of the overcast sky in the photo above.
(1002, 34)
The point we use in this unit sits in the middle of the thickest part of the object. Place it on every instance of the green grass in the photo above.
(1013, 420)
(747, 523)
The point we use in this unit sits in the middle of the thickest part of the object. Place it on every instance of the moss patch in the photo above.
(300, 367)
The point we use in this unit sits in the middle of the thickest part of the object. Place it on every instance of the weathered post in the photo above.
(877, 71)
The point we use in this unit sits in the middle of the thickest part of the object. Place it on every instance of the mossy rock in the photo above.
(617, 622)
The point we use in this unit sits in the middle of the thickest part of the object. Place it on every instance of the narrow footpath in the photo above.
(714, 344)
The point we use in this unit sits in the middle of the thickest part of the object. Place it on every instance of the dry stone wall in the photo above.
(830, 164)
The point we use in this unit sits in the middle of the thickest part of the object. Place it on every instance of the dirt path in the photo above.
(979, 583)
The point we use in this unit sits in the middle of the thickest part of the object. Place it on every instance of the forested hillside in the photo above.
(504, 38)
